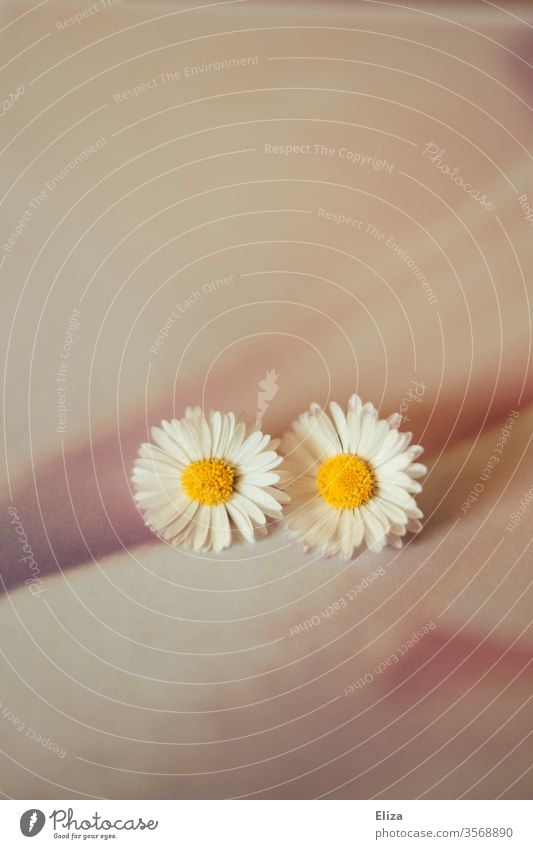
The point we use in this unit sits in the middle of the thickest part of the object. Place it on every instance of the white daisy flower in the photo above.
(351, 479)
(206, 479)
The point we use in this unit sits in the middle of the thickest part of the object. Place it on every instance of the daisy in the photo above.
(206, 477)
(351, 479)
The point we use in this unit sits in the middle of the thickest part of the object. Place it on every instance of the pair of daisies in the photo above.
(348, 480)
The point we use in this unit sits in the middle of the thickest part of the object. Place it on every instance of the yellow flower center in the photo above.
(346, 481)
(208, 481)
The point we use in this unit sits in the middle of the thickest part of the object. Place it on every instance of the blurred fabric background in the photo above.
(194, 196)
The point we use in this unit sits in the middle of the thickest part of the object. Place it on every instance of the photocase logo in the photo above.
(268, 390)
(32, 822)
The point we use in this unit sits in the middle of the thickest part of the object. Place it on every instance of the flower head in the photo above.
(351, 479)
(206, 479)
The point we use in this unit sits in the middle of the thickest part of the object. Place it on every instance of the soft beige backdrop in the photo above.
(169, 675)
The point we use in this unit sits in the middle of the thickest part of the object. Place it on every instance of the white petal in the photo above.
(296, 452)
(215, 425)
(189, 439)
(342, 426)
(156, 469)
(263, 499)
(375, 535)
(220, 528)
(279, 494)
(193, 414)
(202, 524)
(253, 445)
(358, 528)
(367, 429)
(161, 514)
(185, 538)
(235, 443)
(264, 461)
(404, 440)
(327, 426)
(226, 436)
(169, 445)
(396, 495)
(204, 436)
(400, 479)
(379, 515)
(354, 403)
(394, 420)
(374, 439)
(353, 420)
(260, 478)
(388, 449)
(241, 519)
(305, 515)
(324, 530)
(416, 470)
(154, 496)
(395, 463)
(346, 526)
(316, 441)
(181, 521)
(369, 409)
(392, 511)
(156, 456)
(173, 432)
(249, 507)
